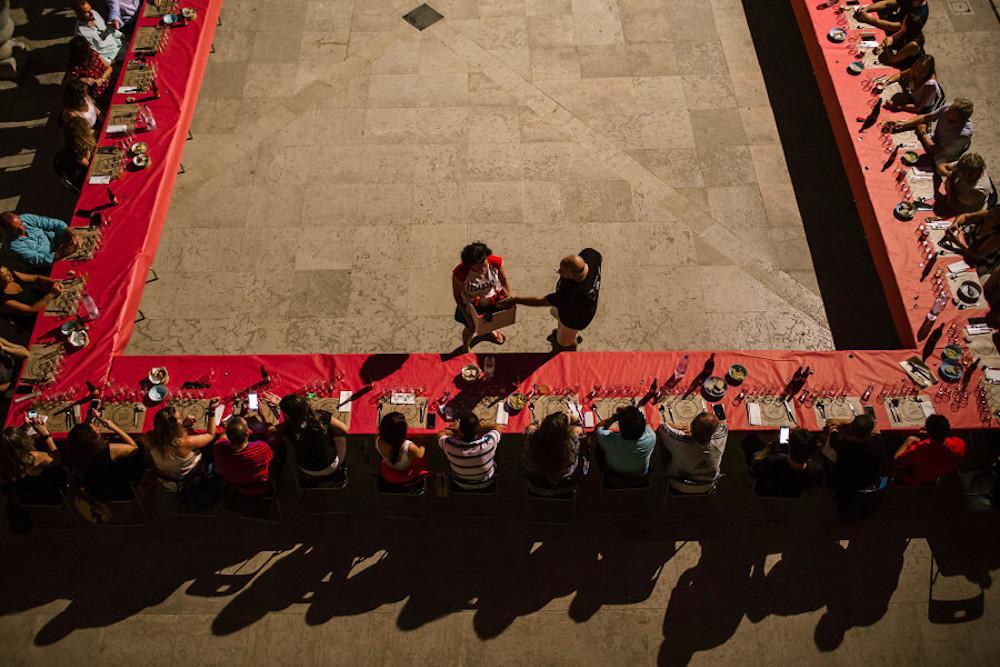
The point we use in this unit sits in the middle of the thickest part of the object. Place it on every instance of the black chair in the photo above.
(264, 508)
(623, 495)
(549, 506)
(332, 496)
(698, 505)
(193, 496)
(473, 502)
(396, 501)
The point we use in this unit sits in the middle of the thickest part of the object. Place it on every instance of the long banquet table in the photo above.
(116, 276)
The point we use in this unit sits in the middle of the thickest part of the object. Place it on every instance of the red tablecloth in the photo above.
(580, 371)
(894, 244)
(116, 274)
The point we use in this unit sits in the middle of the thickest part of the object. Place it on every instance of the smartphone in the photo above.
(783, 435)
(252, 403)
(719, 411)
(870, 411)
(32, 414)
(431, 420)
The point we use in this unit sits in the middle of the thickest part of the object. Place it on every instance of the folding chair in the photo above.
(395, 501)
(473, 502)
(265, 508)
(697, 505)
(48, 510)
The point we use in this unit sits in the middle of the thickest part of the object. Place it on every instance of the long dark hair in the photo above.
(551, 449)
(299, 413)
(167, 430)
(82, 442)
(79, 51)
(392, 431)
(15, 454)
(76, 95)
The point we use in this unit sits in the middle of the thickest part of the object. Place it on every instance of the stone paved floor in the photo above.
(368, 153)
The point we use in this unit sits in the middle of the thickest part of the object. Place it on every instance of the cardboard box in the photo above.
(487, 322)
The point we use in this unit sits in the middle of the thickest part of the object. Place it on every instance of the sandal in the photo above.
(498, 337)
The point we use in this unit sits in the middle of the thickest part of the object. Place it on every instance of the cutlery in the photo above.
(822, 410)
(531, 409)
(423, 412)
(788, 411)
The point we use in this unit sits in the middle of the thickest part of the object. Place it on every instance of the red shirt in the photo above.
(245, 469)
(925, 461)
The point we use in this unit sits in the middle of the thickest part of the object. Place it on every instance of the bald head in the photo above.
(572, 267)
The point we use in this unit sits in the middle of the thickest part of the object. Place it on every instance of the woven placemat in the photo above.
(90, 241)
(837, 408)
(605, 407)
(43, 363)
(412, 413)
(108, 164)
(484, 405)
(772, 411)
(130, 417)
(152, 11)
(955, 280)
(149, 39)
(68, 300)
(921, 183)
(982, 347)
(137, 78)
(541, 407)
(682, 409)
(123, 114)
(908, 412)
(61, 416)
(329, 405)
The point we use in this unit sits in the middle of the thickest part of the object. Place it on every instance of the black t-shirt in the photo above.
(776, 478)
(576, 302)
(860, 463)
(313, 443)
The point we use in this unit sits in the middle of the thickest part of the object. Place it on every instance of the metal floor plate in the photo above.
(423, 17)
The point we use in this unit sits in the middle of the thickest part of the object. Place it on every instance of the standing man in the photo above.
(122, 14)
(574, 303)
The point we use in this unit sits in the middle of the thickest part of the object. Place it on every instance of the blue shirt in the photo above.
(37, 247)
(123, 10)
(627, 457)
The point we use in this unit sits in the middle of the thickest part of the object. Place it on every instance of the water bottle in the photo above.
(936, 308)
(681, 369)
(489, 366)
(90, 307)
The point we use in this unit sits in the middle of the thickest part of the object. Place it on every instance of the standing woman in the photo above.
(86, 65)
(477, 283)
(174, 450)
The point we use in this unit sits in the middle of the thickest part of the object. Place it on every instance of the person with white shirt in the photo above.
(471, 447)
(101, 37)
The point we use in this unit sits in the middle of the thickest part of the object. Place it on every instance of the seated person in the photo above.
(77, 151)
(175, 450)
(903, 48)
(403, 462)
(921, 92)
(24, 295)
(471, 447)
(889, 13)
(860, 453)
(35, 241)
(787, 475)
(29, 465)
(104, 469)
(977, 237)
(626, 450)
(695, 452)
(991, 292)
(123, 13)
(12, 356)
(553, 459)
(249, 466)
(90, 25)
(86, 65)
(951, 137)
(968, 186)
(930, 455)
(318, 440)
(79, 104)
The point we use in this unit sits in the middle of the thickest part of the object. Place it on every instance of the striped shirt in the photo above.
(472, 463)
